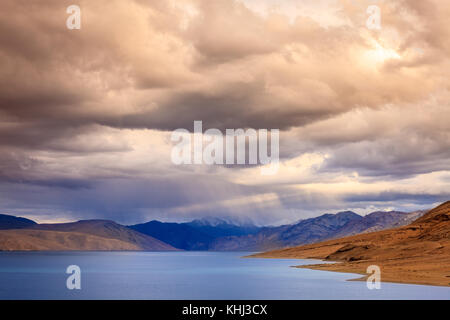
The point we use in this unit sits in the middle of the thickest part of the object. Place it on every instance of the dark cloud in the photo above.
(240, 105)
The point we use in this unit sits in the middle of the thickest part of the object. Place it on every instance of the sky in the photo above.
(86, 115)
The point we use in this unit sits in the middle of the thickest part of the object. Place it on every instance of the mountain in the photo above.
(81, 235)
(179, 235)
(378, 220)
(410, 217)
(194, 235)
(415, 253)
(12, 222)
(216, 227)
(313, 230)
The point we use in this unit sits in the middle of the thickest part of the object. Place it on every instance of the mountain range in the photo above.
(327, 226)
(203, 234)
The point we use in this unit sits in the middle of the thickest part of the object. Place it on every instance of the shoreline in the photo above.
(419, 268)
(401, 271)
(388, 273)
(364, 276)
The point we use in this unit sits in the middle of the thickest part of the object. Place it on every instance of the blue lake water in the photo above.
(185, 275)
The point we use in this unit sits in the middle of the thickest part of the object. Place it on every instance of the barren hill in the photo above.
(35, 240)
(81, 235)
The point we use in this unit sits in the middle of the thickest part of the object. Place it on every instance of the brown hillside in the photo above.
(110, 230)
(418, 253)
(82, 235)
(33, 240)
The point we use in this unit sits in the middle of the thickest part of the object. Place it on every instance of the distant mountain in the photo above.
(327, 226)
(410, 217)
(216, 227)
(305, 231)
(377, 221)
(12, 222)
(179, 235)
(194, 235)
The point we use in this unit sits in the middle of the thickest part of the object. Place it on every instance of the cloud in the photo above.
(389, 141)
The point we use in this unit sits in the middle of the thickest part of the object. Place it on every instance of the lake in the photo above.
(185, 275)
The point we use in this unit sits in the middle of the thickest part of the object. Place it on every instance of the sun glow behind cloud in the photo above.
(379, 54)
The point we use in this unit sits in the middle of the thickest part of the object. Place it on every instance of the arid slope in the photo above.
(35, 240)
(81, 235)
(417, 253)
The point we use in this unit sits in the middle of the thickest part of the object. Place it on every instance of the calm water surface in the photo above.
(185, 275)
